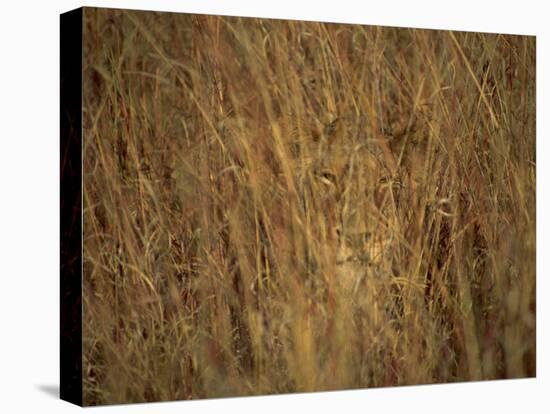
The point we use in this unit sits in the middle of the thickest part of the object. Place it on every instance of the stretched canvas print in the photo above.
(258, 206)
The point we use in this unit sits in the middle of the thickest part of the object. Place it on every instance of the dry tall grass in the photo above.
(280, 206)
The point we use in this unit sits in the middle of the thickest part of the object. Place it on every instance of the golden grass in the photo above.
(282, 206)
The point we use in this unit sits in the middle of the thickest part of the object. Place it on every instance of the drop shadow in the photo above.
(49, 389)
